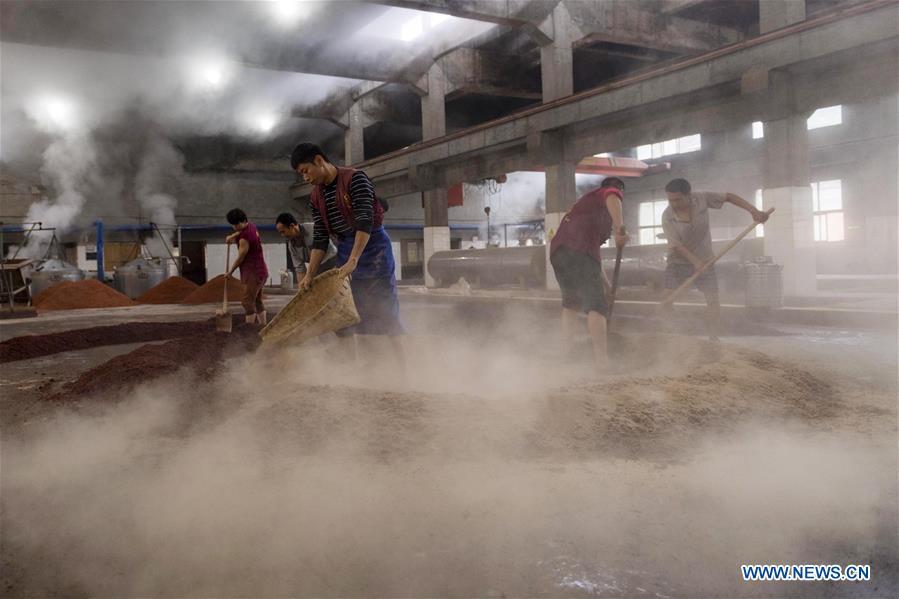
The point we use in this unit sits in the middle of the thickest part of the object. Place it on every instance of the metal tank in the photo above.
(764, 283)
(139, 276)
(491, 267)
(53, 271)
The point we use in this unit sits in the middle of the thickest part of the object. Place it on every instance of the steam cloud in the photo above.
(272, 480)
(194, 84)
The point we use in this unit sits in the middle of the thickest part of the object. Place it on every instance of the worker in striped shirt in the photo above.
(345, 209)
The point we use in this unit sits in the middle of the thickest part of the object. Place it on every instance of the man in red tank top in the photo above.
(575, 257)
(251, 261)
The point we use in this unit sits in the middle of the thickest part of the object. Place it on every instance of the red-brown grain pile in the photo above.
(171, 291)
(27, 347)
(212, 291)
(73, 295)
(202, 354)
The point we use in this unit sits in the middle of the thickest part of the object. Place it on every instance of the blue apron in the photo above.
(374, 285)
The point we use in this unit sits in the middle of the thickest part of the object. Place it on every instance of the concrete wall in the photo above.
(206, 197)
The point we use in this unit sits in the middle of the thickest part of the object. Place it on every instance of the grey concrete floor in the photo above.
(573, 562)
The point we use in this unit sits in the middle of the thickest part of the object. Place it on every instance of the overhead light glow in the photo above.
(209, 73)
(265, 123)
(417, 25)
(411, 29)
(285, 13)
(54, 113)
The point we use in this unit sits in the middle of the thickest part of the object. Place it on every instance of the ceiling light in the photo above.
(208, 73)
(412, 28)
(53, 113)
(266, 122)
(286, 13)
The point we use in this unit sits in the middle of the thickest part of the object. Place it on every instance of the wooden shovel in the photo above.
(223, 316)
(615, 273)
(669, 299)
(614, 340)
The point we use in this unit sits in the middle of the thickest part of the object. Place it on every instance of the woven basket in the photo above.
(325, 307)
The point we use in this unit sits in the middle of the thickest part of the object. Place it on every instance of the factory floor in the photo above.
(865, 310)
(491, 465)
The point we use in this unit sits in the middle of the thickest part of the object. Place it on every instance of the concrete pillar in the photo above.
(437, 239)
(786, 152)
(436, 231)
(354, 139)
(556, 57)
(789, 234)
(561, 193)
(433, 125)
(776, 14)
(433, 106)
(789, 238)
(561, 188)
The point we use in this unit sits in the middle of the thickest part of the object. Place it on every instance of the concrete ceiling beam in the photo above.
(502, 12)
(670, 7)
(820, 39)
(619, 21)
(624, 22)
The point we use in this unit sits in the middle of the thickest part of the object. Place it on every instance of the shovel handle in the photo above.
(227, 264)
(615, 273)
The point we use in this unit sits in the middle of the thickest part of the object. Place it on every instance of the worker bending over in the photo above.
(575, 258)
(299, 244)
(251, 261)
(686, 225)
(345, 208)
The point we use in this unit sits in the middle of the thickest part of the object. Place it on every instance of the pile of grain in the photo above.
(212, 291)
(73, 295)
(171, 291)
(27, 347)
(203, 354)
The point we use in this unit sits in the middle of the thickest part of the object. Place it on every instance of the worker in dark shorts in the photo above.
(346, 209)
(575, 257)
(686, 225)
(251, 261)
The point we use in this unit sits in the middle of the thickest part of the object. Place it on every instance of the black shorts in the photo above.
(676, 273)
(580, 279)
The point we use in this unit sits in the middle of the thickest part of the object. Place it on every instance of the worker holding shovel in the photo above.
(251, 261)
(686, 225)
(575, 257)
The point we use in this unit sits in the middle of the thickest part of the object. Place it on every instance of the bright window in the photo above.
(758, 130)
(689, 143)
(651, 222)
(759, 197)
(679, 145)
(826, 117)
(827, 207)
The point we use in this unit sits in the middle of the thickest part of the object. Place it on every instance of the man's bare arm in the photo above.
(359, 244)
(243, 247)
(315, 259)
(757, 215)
(613, 205)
